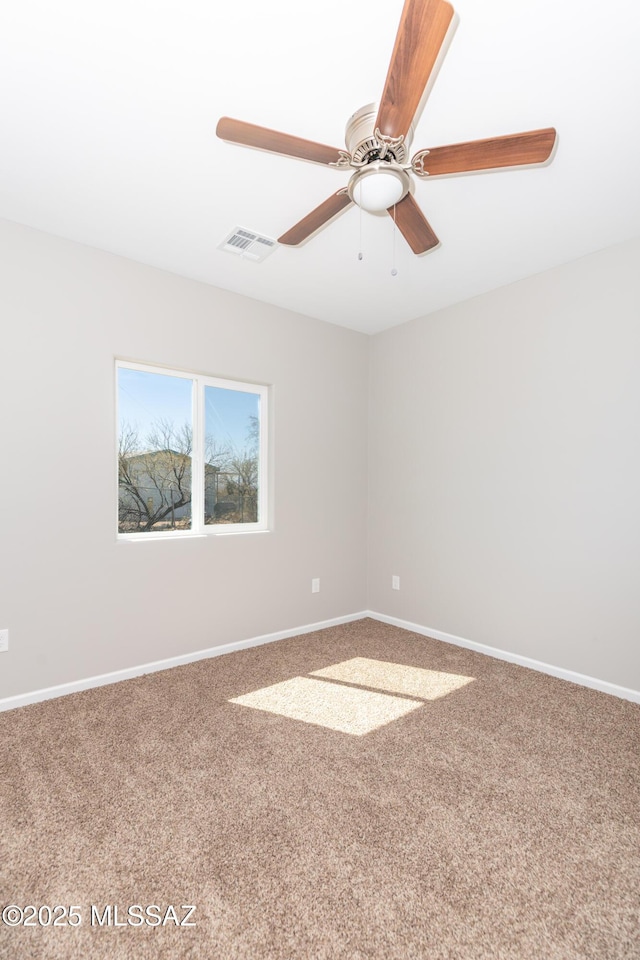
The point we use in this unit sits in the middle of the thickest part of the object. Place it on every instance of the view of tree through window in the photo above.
(231, 464)
(189, 451)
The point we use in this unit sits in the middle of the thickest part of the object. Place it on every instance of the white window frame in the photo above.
(199, 382)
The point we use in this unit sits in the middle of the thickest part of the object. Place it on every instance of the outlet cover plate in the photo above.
(4, 640)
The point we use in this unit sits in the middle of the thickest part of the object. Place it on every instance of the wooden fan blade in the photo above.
(423, 27)
(250, 135)
(512, 151)
(413, 225)
(316, 219)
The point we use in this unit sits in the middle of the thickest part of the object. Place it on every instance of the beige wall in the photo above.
(77, 602)
(505, 468)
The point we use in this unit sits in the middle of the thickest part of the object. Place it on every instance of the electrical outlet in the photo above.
(315, 585)
(4, 640)
(395, 583)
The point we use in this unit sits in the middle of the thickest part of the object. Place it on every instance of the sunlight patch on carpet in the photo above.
(395, 678)
(331, 705)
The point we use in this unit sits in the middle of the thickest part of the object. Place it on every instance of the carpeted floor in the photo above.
(461, 807)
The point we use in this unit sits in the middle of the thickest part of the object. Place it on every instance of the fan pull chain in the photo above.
(394, 272)
(360, 240)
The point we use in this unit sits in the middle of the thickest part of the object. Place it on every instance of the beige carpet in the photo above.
(357, 792)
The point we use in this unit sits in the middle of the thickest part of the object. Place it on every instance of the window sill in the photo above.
(157, 537)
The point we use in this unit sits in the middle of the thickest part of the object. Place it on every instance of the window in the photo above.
(191, 453)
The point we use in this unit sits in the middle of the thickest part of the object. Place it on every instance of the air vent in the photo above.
(248, 244)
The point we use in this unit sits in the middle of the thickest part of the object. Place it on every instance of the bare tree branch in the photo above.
(154, 475)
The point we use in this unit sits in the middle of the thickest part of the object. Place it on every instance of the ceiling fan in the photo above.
(378, 140)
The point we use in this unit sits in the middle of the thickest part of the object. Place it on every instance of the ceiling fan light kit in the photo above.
(378, 139)
(380, 180)
(379, 186)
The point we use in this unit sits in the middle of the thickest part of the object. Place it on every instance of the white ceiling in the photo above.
(107, 126)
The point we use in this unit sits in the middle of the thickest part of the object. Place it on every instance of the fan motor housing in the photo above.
(364, 146)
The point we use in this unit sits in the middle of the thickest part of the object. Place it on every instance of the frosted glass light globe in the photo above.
(379, 191)
(379, 185)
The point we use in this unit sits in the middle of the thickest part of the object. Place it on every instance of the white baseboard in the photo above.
(48, 693)
(581, 679)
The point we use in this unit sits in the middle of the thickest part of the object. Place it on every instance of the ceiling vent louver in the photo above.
(248, 244)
